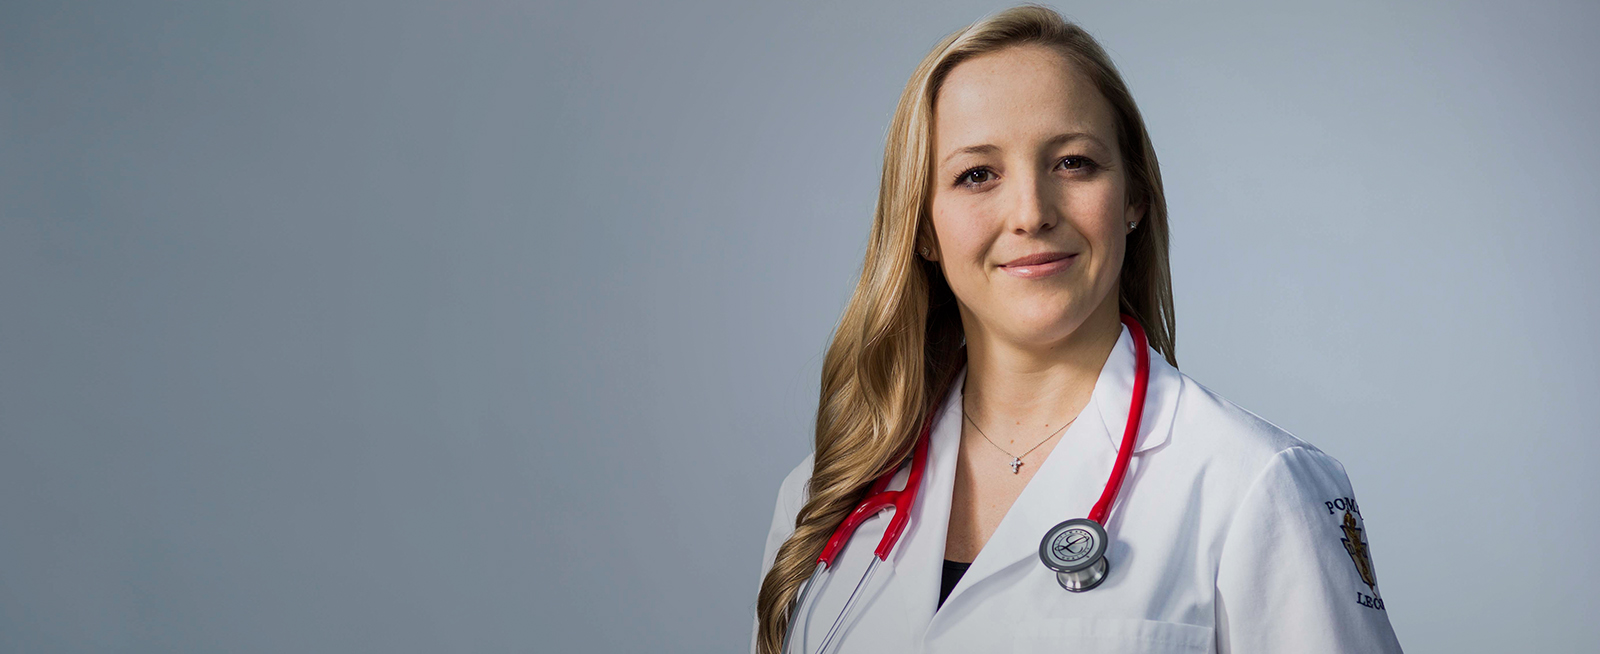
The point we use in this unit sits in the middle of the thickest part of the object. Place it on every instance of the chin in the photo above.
(1052, 310)
(1044, 328)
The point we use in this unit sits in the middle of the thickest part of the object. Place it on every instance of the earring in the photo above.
(1132, 225)
(924, 250)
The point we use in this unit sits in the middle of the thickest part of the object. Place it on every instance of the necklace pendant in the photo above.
(1016, 464)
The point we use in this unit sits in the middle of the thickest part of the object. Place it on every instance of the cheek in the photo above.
(964, 233)
(1100, 221)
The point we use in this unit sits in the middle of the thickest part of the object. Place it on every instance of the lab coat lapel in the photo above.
(1066, 486)
(920, 562)
(1069, 481)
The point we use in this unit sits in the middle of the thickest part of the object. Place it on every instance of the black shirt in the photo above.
(952, 574)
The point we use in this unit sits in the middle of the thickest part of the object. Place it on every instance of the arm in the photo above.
(1296, 572)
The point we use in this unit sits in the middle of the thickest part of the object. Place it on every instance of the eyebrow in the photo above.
(1052, 141)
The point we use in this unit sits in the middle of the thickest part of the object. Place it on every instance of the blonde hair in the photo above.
(899, 343)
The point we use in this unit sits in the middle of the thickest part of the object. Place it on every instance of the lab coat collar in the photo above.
(1113, 391)
(1067, 485)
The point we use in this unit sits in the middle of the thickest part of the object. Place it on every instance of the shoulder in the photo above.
(791, 496)
(1265, 479)
(1240, 458)
(792, 492)
(1223, 435)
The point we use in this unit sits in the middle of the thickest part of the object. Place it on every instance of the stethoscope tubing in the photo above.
(1130, 433)
(878, 500)
(800, 603)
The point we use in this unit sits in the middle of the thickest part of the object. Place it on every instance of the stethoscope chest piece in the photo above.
(1076, 551)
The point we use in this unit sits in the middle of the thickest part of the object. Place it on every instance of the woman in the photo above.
(1020, 216)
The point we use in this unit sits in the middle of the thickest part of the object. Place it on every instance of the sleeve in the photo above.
(790, 498)
(1296, 571)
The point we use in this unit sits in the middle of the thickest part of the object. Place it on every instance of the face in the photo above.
(1026, 164)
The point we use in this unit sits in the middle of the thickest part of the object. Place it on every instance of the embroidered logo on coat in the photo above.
(1357, 549)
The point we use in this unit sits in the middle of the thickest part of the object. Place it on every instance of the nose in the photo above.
(1034, 206)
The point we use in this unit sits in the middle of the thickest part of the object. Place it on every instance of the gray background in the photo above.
(492, 327)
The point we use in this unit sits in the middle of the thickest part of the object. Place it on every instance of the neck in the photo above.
(1014, 386)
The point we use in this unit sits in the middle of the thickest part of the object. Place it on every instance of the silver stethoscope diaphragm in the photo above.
(1076, 551)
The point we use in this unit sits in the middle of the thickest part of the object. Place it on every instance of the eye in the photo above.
(1080, 163)
(961, 180)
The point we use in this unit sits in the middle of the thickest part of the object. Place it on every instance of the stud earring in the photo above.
(924, 251)
(1132, 225)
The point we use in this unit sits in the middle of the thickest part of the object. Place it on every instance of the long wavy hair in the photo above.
(899, 344)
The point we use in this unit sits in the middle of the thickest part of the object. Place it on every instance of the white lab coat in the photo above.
(1229, 535)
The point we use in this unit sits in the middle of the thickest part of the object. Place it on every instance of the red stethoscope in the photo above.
(1074, 549)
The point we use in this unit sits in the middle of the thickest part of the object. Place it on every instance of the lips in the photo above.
(1036, 259)
(1039, 266)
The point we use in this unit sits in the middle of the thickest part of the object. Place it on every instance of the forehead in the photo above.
(1016, 96)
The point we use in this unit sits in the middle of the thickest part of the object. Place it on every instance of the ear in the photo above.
(1134, 215)
(927, 244)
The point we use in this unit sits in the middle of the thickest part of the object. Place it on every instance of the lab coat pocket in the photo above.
(1113, 635)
